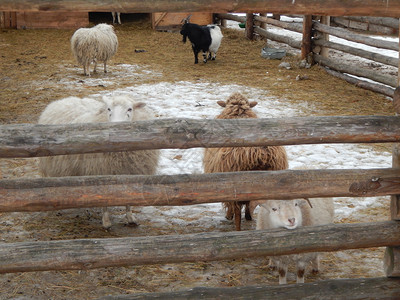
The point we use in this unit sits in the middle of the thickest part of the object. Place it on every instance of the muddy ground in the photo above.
(37, 67)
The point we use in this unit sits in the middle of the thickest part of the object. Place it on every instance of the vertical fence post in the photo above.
(326, 20)
(392, 254)
(306, 40)
(398, 68)
(263, 25)
(250, 26)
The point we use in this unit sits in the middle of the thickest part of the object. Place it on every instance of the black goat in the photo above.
(203, 38)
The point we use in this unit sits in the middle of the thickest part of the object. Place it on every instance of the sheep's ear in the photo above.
(106, 100)
(139, 105)
(253, 103)
(221, 103)
(264, 204)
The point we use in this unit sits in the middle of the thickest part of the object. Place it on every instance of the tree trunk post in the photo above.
(306, 40)
(250, 26)
(263, 24)
(398, 69)
(326, 20)
(392, 254)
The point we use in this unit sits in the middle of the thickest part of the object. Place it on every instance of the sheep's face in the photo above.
(122, 111)
(284, 213)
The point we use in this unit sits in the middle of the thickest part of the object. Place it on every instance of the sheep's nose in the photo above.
(291, 221)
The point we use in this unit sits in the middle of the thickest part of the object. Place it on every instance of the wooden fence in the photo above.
(27, 140)
(315, 39)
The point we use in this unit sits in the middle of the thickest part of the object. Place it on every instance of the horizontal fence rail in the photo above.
(97, 253)
(30, 140)
(94, 191)
(303, 7)
(374, 288)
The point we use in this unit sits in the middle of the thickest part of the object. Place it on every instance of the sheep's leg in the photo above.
(204, 57)
(214, 56)
(95, 66)
(247, 213)
(86, 69)
(119, 18)
(315, 264)
(105, 66)
(282, 270)
(129, 216)
(301, 268)
(106, 218)
(238, 216)
(229, 211)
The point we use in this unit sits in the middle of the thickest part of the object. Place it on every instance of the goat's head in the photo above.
(184, 29)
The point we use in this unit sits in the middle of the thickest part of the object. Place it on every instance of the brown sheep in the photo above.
(233, 159)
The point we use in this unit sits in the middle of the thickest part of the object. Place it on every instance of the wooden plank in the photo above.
(212, 246)
(349, 289)
(304, 7)
(232, 17)
(375, 87)
(297, 27)
(165, 20)
(354, 37)
(386, 22)
(30, 140)
(278, 37)
(353, 70)
(392, 61)
(364, 26)
(40, 194)
(66, 20)
(306, 37)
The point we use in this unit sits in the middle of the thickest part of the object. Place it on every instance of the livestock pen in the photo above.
(313, 39)
(26, 140)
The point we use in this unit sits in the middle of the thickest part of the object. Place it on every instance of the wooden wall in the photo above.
(48, 19)
(168, 21)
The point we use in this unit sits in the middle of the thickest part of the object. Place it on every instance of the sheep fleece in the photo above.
(86, 110)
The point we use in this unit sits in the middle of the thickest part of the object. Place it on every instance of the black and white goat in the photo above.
(203, 38)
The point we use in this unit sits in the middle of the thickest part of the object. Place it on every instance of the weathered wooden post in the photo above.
(263, 24)
(326, 20)
(250, 26)
(306, 40)
(392, 254)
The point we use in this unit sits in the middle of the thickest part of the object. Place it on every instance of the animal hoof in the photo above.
(248, 217)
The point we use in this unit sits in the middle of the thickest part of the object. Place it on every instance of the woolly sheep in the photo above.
(235, 159)
(203, 38)
(96, 44)
(86, 110)
(291, 214)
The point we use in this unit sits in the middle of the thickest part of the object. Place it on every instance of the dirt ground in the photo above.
(34, 66)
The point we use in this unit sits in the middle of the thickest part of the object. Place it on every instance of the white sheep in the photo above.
(291, 214)
(86, 110)
(96, 44)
